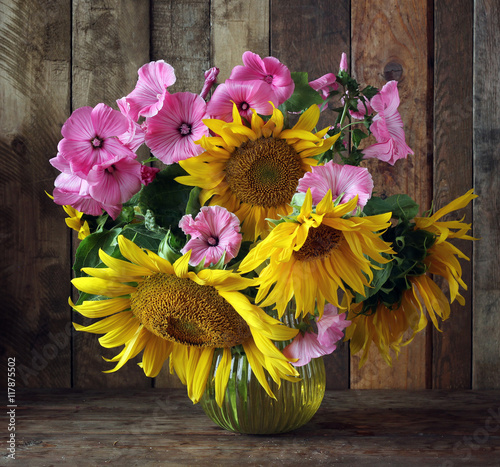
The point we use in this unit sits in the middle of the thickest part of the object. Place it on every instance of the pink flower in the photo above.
(210, 78)
(343, 180)
(331, 326)
(89, 137)
(343, 62)
(325, 85)
(213, 232)
(269, 70)
(311, 345)
(246, 95)
(115, 181)
(387, 127)
(70, 189)
(134, 136)
(171, 134)
(148, 174)
(151, 88)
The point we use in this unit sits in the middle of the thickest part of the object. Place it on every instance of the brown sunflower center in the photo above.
(264, 172)
(320, 242)
(179, 310)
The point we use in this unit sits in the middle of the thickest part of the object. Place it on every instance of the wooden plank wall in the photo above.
(444, 55)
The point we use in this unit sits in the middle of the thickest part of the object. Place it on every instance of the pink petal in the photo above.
(134, 137)
(79, 125)
(61, 164)
(331, 327)
(343, 62)
(246, 95)
(383, 151)
(210, 78)
(325, 84)
(115, 181)
(214, 231)
(182, 112)
(305, 348)
(340, 179)
(108, 122)
(151, 88)
(269, 70)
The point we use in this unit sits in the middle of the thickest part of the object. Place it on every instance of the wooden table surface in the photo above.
(162, 427)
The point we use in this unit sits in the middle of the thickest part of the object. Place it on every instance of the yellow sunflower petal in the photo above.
(222, 376)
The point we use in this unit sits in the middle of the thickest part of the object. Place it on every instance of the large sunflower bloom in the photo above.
(168, 311)
(317, 252)
(386, 327)
(254, 171)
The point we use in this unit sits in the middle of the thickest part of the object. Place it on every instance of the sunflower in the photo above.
(168, 311)
(254, 171)
(386, 326)
(315, 253)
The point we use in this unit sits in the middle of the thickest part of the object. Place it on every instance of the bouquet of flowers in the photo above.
(245, 210)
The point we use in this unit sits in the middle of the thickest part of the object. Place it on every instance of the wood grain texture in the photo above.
(486, 291)
(453, 172)
(238, 26)
(110, 43)
(311, 36)
(162, 427)
(180, 35)
(397, 33)
(35, 62)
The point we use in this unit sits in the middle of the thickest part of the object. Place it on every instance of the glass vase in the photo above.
(247, 408)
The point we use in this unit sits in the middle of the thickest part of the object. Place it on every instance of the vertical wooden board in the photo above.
(238, 26)
(486, 292)
(180, 35)
(110, 43)
(452, 349)
(390, 41)
(35, 242)
(311, 36)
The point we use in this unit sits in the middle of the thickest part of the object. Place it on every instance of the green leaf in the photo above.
(401, 206)
(303, 95)
(193, 205)
(143, 237)
(87, 254)
(369, 91)
(165, 198)
(357, 136)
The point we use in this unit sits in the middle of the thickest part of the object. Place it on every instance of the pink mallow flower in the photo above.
(343, 180)
(310, 345)
(148, 174)
(115, 181)
(246, 95)
(72, 190)
(90, 137)
(387, 127)
(171, 134)
(214, 231)
(149, 93)
(210, 78)
(268, 70)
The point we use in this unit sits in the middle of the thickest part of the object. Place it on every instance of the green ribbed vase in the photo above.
(248, 409)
